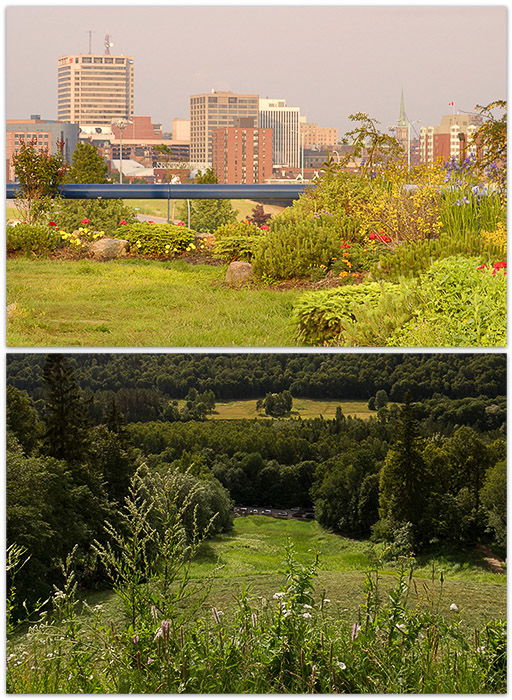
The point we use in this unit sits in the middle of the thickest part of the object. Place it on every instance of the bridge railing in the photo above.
(167, 191)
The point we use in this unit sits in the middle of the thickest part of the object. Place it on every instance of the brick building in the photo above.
(242, 155)
(453, 137)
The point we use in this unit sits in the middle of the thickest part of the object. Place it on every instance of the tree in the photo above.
(381, 399)
(491, 140)
(22, 418)
(402, 479)
(39, 174)
(206, 215)
(258, 216)
(87, 166)
(65, 417)
(366, 140)
(494, 501)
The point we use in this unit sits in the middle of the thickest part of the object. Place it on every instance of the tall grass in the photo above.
(288, 642)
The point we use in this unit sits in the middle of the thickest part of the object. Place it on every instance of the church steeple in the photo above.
(402, 120)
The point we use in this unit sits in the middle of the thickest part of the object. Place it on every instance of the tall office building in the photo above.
(215, 110)
(94, 89)
(285, 124)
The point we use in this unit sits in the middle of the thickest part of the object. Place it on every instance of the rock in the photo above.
(108, 248)
(238, 272)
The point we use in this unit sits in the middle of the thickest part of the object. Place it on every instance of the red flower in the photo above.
(180, 223)
(151, 222)
(482, 267)
(345, 244)
(372, 235)
(264, 227)
(52, 223)
(500, 265)
(122, 223)
(85, 221)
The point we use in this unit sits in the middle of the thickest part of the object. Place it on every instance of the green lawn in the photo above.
(305, 408)
(158, 207)
(130, 303)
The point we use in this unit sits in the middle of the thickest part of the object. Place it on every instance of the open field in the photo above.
(158, 207)
(305, 408)
(252, 558)
(131, 303)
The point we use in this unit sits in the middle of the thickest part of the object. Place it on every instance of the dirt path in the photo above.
(496, 565)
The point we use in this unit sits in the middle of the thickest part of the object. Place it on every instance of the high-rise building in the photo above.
(242, 156)
(285, 124)
(94, 89)
(181, 129)
(44, 134)
(453, 137)
(216, 110)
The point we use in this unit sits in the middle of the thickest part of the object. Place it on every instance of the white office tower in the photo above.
(285, 124)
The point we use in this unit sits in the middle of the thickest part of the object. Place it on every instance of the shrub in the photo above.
(164, 240)
(461, 303)
(105, 214)
(39, 239)
(412, 259)
(294, 249)
(237, 241)
(324, 317)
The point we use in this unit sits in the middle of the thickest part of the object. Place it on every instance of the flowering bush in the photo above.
(162, 240)
(39, 239)
(461, 303)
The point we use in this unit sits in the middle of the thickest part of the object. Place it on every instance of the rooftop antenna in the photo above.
(108, 44)
(90, 41)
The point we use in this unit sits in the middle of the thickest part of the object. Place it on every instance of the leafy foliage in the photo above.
(162, 240)
(87, 166)
(38, 239)
(294, 249)
(105, 214)
(237, 241)
(39, 174)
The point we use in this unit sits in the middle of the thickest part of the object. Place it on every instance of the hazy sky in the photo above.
(330, 61)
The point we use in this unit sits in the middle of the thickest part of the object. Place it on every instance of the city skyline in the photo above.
(329, 61)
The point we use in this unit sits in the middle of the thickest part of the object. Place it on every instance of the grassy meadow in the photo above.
(140, 303)
(303, 408)
(252, 559)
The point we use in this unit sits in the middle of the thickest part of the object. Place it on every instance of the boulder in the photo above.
(239, 272)
(108, 248)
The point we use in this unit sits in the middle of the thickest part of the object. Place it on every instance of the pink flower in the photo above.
(85, 221)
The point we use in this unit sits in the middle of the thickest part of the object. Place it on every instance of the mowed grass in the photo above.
(305, 408)
(253, 557)
(158, 207)
(145, 303)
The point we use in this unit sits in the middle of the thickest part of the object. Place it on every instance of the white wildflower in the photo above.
(341, 665)
(454, 607)
(307, 607)
(307, 615)
(278, 595)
